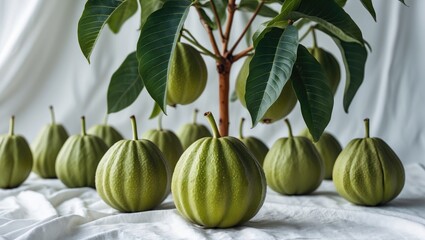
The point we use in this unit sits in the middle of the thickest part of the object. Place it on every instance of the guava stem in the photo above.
(288, 124)
(12, 126)
(134, 127)
(314, 38)
(52, 114)
(83, 126)
(367, 128)
(105, 119)
(160, 122)
(195, 115)
(213, 124)
(241, 128)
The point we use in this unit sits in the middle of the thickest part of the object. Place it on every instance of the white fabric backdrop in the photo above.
(41, 64)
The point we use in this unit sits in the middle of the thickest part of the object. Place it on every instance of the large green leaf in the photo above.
(313, 92)
(278, 21)
(341, 2)
(95, 15)
(251, 6)
(122, 14)
(270, 69)
(369, 7)
(328, 14)
(148, 7)
(125, 85)
(354, 57)
(156, 44)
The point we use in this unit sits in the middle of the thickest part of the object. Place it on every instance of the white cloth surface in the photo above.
(46, 209)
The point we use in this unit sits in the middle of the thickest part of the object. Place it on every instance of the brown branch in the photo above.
(231, 8)
(257, 10)
(217, 18)
(209, 31)
(242, 54)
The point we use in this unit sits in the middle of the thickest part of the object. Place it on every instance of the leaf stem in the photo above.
(134, 127)
(241, 128)
(198, 45)
(12, 126)
(52, 114)
(213, 124)
(83, 126)
(209, 31)
(248, 25)
(367, 128)
(305, 34)
(288, 124)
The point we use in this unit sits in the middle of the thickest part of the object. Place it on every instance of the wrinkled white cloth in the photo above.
(46, 209)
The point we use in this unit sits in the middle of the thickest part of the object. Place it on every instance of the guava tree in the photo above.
(278, 57)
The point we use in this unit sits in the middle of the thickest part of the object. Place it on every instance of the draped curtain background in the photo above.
(41, 64)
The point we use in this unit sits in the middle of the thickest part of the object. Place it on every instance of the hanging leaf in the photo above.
(125, 85)
(369, 7)
(313, 92)
(265, 28)
(148, 7)
(156, 110)
(95, 15)
(122, 14)
(251, 6)
(354, 57)
(329, 15)
(207, 19)
(156, 44)
(341, 3)
(270, 69)
(220, 5)
(278, 21)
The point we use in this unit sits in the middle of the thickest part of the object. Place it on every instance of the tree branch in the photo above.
(220, 29)
(209, 31)
(231, 8)
(242, 54)
(257, 10)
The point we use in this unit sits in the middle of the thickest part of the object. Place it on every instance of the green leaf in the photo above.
(341, 3)
(122, 14)
(220, 5)
(265, 28)
(369, 7)
(233, 97)
(313, 92)
(251, 6)
(148, 7)
(329, 15)
(207, 19)
(156, 44)
(95, 15)
(125, 85)
(270, 69)
(287, 8)
(354, 57)
(156, 110)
